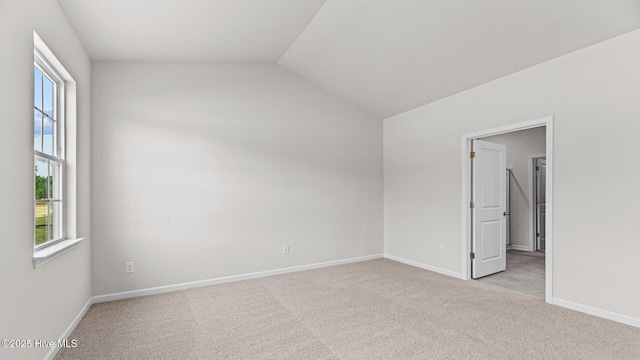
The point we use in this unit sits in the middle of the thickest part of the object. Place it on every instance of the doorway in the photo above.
(545, 218)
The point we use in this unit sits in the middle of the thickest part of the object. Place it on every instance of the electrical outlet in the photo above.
(285, 249)
(441, 249)
(129, 267)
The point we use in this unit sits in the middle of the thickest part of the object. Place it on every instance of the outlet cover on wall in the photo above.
(441, 249)
(285, 249)
(129, 267)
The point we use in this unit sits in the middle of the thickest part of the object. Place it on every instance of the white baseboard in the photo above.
(520, 247)
(54, 350)
(597, 312)
(425, 266)
(226, 279)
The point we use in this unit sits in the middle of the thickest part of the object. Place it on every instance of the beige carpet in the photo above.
(377, 309)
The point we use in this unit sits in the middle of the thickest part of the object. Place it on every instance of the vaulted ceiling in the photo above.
(387, 56)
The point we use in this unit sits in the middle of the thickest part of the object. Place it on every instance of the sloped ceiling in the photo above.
(387, 56)
(189, 30)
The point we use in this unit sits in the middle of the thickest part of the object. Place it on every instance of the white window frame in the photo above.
(58, 149)
(66, 150)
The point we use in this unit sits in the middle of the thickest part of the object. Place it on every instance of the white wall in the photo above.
(593, 96)
(203, 171)
(520, 145)
(40, 303)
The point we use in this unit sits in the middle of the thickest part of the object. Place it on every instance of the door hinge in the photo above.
(537, 168)
(472, 205)
(472, 255)
(537, 201)
(472, 154)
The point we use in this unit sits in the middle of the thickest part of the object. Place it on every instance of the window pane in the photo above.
(56, 220)
(41, 223)
(48, 96)
(37, 87)
(37, 131)
(41, 174)
(48, 129)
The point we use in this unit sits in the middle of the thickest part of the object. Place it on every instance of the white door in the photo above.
(489, 208)
(541, 202)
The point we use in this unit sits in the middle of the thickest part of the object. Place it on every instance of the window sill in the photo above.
(49, 253)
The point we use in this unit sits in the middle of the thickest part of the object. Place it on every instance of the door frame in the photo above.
(532, 197)
(465, 199)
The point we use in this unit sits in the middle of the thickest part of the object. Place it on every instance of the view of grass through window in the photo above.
(43, 223)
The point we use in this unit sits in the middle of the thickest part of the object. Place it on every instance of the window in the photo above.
(48, 153)
(55, 131)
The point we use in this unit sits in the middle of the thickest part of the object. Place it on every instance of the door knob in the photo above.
(505, 213)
